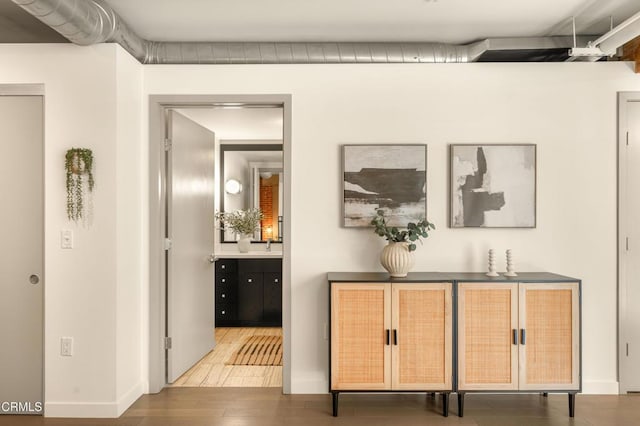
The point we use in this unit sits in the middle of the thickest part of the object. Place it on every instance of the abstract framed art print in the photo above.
(493, 186)
(388, 177)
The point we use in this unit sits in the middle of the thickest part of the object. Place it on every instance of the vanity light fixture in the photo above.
(233, 186)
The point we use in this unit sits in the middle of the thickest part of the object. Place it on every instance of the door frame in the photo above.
(37, 89)
(623, 229)
(158, 106)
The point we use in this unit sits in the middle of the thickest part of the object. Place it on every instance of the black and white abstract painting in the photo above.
(388, 177)
(493, 186)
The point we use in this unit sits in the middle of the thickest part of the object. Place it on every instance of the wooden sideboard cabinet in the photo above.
(518, 336)
(511, 334)
(391, 337)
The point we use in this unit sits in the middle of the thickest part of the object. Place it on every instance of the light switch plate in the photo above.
(66, 239)
(66, 346)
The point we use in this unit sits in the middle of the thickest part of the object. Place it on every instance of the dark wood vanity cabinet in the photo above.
(226, 287)
(249, 292)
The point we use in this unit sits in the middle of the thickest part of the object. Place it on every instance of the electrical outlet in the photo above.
(66, 239)
(66, 346)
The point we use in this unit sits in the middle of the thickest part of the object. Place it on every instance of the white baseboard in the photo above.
(321, 386)
(129, 398)
(600, 388)
(109, 410)
(81, 409)
(310, 386)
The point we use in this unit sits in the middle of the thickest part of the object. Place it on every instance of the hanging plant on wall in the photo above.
(78, 165)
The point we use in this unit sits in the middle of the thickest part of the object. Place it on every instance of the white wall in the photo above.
(129, 181)
(92, 100)
(567, 109)
(97, 291)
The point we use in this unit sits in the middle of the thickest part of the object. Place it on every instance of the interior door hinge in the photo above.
(627, 349)
(626, 243)
(167, 244)
(167, 342)
(167, 144)
(627, 138)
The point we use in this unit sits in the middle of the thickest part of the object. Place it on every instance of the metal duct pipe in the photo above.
(88, 22)
(304, 53)
(618, 36)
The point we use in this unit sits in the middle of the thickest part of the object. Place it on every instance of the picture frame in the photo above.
(493, 185)
(391, 177)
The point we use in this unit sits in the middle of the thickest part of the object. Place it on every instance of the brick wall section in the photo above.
(266, 205)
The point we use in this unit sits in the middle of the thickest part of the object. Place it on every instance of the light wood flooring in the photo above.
(269, 407)
(212, 371)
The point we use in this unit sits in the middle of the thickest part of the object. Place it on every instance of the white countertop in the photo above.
(253, 254)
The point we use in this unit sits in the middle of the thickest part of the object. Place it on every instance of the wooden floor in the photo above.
(268, 407)
(212, 371)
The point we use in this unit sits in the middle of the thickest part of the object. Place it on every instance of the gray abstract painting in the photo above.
(493, 186)
(388, 177)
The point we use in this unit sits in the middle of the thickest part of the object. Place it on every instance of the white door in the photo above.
(630, 253)
(21, 254)
(190, 170)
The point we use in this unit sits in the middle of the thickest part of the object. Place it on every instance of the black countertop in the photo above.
(421, 277)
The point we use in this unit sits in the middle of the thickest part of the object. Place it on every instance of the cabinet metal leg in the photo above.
(445, 404)
(572, 404)
(334, 399)
(460, 404)
(545, 394)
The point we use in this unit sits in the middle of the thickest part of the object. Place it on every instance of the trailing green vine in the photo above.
(78, 163)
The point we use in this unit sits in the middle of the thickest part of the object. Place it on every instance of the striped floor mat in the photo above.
(258, 350)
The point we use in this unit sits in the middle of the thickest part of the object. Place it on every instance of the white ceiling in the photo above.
(450, 21)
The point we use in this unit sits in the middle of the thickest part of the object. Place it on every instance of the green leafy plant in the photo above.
(414, 231)
(78, 164)
(241, 221)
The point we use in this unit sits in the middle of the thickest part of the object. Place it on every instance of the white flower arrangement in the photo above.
(241, 221)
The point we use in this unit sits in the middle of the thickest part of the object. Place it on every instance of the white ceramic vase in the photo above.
(397, 259)
(244, 243)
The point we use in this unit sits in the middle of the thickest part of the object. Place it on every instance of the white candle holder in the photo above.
(511, 271)
(492, 265)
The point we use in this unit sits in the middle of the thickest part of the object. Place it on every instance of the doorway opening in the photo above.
(242, 315)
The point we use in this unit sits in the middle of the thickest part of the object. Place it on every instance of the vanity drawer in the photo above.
(226, 267)
(225, 281)
(225, 297)
(225, 314)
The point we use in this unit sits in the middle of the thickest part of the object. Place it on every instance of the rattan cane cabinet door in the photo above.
(550, 353)
(421, 355)
(487, 355)
(360, 318)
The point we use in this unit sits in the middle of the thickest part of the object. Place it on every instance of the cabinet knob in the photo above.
(275, 281)
(223, 295)
(249, 280)
(223, 312)
(223, 266)
(224, 280)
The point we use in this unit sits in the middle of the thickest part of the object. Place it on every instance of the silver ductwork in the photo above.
(87, 22)
(303, 53)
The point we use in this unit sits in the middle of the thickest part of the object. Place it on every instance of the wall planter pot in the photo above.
(78, 166)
